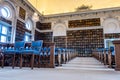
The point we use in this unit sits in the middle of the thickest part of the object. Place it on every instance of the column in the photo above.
(33, 32)
(117, 54)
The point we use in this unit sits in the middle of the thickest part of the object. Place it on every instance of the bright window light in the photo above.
(27, 38)
(6, 13)
(3, 38)
(4, 30)
(29, 25)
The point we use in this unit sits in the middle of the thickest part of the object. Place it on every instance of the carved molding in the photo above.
(59, 28)
(111, 25)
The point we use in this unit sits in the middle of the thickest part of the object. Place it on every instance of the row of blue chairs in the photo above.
(63, 55)
(105, 55)
(35, 52)
(20, 48)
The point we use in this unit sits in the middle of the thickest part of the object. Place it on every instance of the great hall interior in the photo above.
(71, 45)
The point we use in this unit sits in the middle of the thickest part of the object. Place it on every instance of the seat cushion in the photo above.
(11, 51)
(30, 52)
(113, 53)
(56, 53)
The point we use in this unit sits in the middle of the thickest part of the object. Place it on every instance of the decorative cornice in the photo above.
(59, 21)
(72, 15)
(84, 12)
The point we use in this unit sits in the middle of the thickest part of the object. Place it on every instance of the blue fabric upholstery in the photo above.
(18, 46)
(10, 51)
(62, 50)
(56, 51)
(30, 51)
(106, 49)
(100, 49)
(45, 51)
(36, 47)
(113, 53)
(112, 50)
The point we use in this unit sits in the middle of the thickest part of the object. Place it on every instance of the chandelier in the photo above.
(35, 16)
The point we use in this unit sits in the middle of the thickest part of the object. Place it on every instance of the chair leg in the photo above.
(2, 61)
(32, 61)
(39, 61)
(13, 62)
(21, 61)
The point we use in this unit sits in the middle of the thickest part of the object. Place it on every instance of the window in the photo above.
(0, 27)
(29, 25)
(3, 33)
(6, 12)
(27, 36)
(4, 30)
(3, 38)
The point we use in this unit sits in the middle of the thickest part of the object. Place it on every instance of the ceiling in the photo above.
(47, 7)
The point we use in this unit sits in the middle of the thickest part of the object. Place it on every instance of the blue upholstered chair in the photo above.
(56, 56)
(58, 52)
(112, 50)
(2, 47)
(14, 49)
(35, 49)
(62, 55)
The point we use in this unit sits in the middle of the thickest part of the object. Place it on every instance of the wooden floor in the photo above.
(80, 68)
